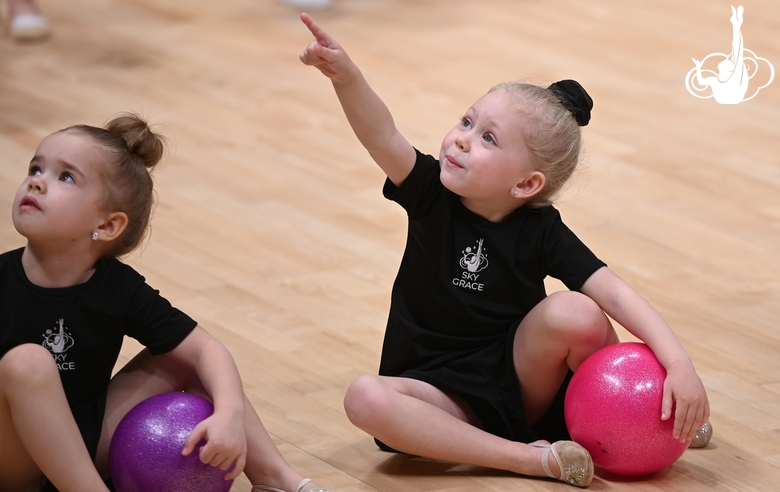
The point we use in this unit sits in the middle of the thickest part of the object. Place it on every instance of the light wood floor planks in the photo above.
(272, 232)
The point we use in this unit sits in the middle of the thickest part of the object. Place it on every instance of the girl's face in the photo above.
(61, 198)
(484, 157)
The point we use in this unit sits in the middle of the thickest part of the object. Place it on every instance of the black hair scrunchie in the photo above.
(574, 98)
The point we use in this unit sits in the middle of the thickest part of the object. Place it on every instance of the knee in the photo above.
(576, 316)
(26, 363)
(365, 400)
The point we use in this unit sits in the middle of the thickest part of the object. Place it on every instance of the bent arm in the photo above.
(218, 374)
(215, 368)
(683, 387)
(367, 114)
(632, 311)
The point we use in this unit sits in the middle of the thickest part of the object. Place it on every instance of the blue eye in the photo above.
(489, 138)
(465, 123)
(67, 177)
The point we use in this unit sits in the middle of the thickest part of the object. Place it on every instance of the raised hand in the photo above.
(325, 54)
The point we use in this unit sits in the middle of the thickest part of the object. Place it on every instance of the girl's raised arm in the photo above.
(367, 114)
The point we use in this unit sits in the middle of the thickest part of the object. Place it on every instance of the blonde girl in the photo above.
(476, 356)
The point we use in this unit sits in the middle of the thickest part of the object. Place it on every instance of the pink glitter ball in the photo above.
(613, 409)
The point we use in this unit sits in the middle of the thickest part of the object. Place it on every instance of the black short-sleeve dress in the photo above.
(463, 286)
(83, 327)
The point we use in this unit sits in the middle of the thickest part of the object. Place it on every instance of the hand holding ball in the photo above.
(145, 452)
(613, 409)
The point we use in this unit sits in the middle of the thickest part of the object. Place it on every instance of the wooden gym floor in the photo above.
(271, 229)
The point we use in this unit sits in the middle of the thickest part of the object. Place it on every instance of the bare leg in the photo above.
(417, 418)
(557, 335)
(37, 428)
(148, 375)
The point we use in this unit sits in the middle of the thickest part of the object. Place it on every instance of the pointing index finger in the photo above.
(319, 34)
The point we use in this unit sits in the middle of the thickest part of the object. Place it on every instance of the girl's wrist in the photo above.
(685, 363)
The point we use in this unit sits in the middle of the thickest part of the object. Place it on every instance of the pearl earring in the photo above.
(514, 193)
(94, 236)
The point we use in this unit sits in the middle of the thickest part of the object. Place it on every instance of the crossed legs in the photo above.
(37, 428)
(417, 418)
(555, 337)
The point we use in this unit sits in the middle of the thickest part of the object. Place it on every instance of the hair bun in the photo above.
(139, 138)
(574, 98)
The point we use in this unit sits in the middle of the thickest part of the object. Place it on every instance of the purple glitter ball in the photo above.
(613, 409)
(145, 452)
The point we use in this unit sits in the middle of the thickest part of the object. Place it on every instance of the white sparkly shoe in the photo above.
(703, 436)
(574, 461)
(300, 487)
(29, 27)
